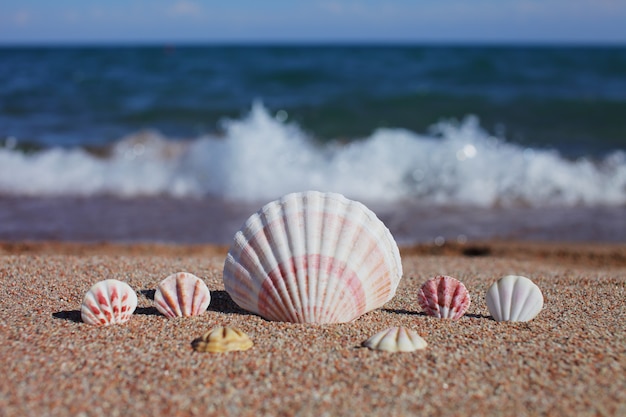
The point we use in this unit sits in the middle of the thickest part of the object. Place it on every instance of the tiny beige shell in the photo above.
(222, 339)
(396, 339)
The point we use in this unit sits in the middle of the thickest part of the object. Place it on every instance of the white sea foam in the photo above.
(261, 157)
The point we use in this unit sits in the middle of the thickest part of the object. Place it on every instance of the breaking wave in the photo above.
(261, 157)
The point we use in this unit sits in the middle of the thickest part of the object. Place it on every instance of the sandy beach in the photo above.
(569, 361)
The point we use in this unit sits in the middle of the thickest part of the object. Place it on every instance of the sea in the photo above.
(181, 143)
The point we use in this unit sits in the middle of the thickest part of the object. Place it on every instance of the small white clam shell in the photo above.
(108, 302)
(396, 339)
(514, 298)
(182, 295)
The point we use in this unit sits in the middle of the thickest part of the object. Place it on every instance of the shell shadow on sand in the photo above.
(403, 311)
(148, 311)
(70, 315)
(149, 294)
(421, 313)
(222, 303)
(478, 316)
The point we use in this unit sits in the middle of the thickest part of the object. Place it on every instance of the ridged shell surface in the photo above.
(222, 339)
(182, 295)
(108, 302)
(514, 298)
(396, 339)
(312, 257)
(444, 297)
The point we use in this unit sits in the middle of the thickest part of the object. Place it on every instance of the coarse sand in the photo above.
(569, 361)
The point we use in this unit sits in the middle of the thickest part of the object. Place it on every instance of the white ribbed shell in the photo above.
(514, 298)
(396, 339)
(182, 295)
(108, 302)
(312, 257)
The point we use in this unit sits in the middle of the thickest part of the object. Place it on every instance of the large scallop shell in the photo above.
(312, 257)
(222, 339)
(444, 297)
(514, 298)
(182, 295)
(108, 302)
(396, 339)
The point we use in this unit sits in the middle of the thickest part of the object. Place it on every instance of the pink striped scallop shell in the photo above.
(312, 257)
(444, 297)
(182, 295)
(108, 302)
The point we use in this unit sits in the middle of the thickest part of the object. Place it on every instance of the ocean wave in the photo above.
(260, 157)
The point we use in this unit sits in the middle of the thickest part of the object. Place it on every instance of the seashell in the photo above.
(182, 295)
(396, 339)
(514, 298)
(444, 297)
(108, 302)
(222, 339)
(312, 257)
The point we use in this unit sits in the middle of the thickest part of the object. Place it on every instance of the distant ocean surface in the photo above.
(182, 143)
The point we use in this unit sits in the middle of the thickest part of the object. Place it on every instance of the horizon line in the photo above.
(311, 42)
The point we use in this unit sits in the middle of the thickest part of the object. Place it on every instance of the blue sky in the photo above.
(162, 21)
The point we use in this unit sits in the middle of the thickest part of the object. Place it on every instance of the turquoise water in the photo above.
(572, 99)
(470, 129)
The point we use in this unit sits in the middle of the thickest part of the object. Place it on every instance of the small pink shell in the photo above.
(108, 302)
(182, 295)
(444, 297)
